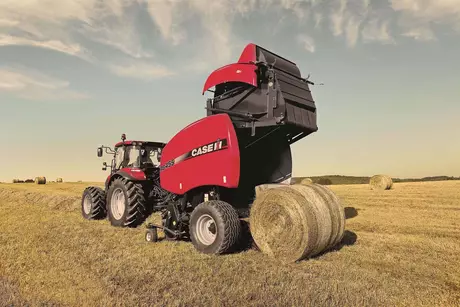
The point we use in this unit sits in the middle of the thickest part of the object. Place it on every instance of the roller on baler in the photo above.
(234, 163)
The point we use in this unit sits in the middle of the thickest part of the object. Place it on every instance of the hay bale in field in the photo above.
(306, 181)
(58, 180)
(266, 186)
(324, 181)
(29, 181)
(15, 180)
(381, 182)
(295, 222)
(40, 180)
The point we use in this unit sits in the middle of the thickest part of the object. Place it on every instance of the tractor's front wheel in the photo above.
(214, 227)
(93, 204)
(126, 203)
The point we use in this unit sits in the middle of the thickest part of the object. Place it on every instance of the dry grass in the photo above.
(402, 248)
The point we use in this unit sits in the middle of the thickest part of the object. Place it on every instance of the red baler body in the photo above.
(205, 153)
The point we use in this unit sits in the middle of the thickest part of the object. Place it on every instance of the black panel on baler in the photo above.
(299, 103)
(282, 99)
(280, 63)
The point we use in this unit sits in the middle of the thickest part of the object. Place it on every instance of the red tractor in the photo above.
(203, 180)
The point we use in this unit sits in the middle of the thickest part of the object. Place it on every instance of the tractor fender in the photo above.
(133, 174)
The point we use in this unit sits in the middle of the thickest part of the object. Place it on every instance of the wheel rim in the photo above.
(149, 236)
(206, 230)
(117, 203)
(87, 204)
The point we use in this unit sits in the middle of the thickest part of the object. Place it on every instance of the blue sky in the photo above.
(77, 74)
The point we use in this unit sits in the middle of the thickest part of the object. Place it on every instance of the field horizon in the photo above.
(334, 179)
(398, 244)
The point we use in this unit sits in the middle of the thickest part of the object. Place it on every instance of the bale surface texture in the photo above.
(40, 180)
(306, 181)
(295, 222)
(381, 182)
(266, 186)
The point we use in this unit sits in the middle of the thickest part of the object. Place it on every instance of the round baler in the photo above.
(235, 163)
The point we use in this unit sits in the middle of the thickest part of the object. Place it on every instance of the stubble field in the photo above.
(401, 247)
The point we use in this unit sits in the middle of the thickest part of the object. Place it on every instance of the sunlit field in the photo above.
(401, 247)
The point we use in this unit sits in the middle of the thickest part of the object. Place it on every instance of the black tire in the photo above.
(227, 227)
(151, 235)
(95, 198)
(134, 212)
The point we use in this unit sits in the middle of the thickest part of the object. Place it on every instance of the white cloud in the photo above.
(63, 21)
(420, 33)
(8, 23)
(201, 33)
(318, 18)
(348, 17)
(143, 71)
(163, 14)
(72, 49)
(307, 42)
(33, 85)
(373, 31)
(418, 16)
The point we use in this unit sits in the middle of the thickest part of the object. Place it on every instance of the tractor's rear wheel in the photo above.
(126, 203)
(93, 204)
(214, 227)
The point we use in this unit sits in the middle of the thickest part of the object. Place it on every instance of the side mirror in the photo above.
(104, 166)
(99, 152)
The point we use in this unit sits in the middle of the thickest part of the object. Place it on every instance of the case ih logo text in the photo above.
(196, 152)
(207, 148)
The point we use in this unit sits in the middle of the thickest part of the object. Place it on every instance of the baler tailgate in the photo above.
(295, 91)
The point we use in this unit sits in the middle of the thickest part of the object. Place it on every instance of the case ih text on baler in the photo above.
(203, 181)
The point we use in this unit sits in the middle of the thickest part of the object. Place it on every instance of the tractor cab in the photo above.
(133, 154)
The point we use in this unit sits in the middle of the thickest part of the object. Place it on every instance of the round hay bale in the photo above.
(59, 180)
(306, 181)
(329, 212)
(296, 222)
(263, 187)
(381, 182)
(40, 180)
(337, 213)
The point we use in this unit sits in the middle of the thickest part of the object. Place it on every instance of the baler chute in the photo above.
(231, 164)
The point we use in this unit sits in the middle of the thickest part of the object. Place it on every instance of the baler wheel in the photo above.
(93, 204)
(151, 235)
(214, 227)
(126, 203)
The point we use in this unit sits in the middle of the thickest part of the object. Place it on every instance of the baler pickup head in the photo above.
(263, 93)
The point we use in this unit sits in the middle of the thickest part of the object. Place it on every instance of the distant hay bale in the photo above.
(324, 181)
(15, 180)
(29, 181)
(295, 222)
(59, 180)
(306, 181)
(40, 180)
(381, 182)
